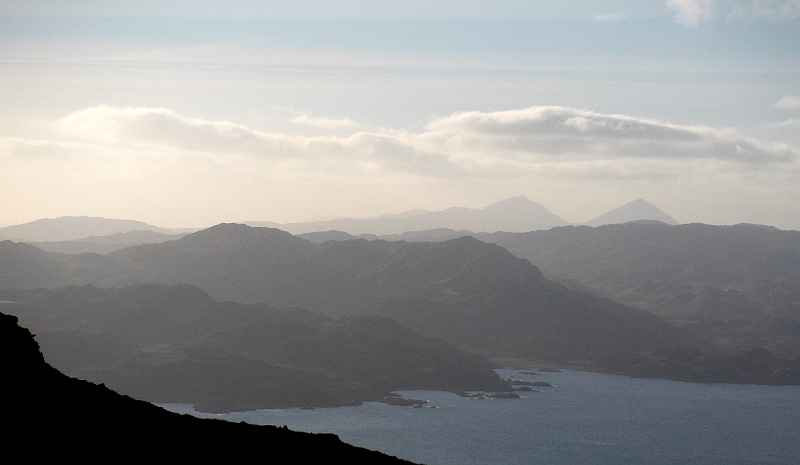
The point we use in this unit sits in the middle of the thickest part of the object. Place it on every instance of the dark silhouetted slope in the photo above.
(174, 344)
(49, 416)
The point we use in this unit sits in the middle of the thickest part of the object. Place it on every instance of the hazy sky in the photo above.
(191, 113)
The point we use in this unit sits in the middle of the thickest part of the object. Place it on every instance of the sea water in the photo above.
(584, 418)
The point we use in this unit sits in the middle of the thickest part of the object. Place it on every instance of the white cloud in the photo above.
(459, 144)
(788, 102)
(773, 10)
(325, 123)
(691, 12)
(165, 129)
(542, 133)
(106, 159)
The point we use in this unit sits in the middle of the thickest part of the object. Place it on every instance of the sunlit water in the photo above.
(585, 418)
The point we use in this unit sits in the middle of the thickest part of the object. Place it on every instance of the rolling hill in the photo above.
(173, 343)
(474, 295)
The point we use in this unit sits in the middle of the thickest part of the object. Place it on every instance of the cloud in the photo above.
(545, 133)
(773, 10)
(154, 126)
(607, 18)
(504, 144)
(36, 149)
(788, 102)
(789, 123)
(165, 129)
(691, 12)
(107, 159)
(325, 123)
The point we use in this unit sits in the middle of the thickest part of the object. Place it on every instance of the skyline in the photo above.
(191, 115)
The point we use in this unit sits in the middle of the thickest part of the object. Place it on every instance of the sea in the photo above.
(583, 418)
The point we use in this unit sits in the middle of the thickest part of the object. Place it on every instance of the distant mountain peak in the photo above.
(518, 203)
(515, 214)
(68, 228)
(636, 210)
(235, 231)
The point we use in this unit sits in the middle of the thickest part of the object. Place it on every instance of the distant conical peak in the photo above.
(635, 210)
(516, 203)
(518, 200)
(640, 202)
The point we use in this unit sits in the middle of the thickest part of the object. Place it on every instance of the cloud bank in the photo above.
(156, 158)
(325, 123)
(548, 133)
(462, 144)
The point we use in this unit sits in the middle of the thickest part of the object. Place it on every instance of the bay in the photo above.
(584, 418)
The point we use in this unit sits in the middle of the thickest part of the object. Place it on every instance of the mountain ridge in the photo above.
(79, 234)
(472, 294)
(70, 228)
(512, 214)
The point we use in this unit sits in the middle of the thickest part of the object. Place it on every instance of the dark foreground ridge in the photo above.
(49, 415)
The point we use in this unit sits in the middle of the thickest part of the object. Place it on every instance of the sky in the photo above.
(192, 113)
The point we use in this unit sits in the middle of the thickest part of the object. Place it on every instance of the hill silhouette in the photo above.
(173, 343)
(475, 295)
(48, 414)
(691, 269)
(738, 286)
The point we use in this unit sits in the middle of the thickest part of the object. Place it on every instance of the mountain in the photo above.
(516, 214)
(250, 265)
(318, 237)
(738, 271)
(477, 296)
(106, 244)
(46, 414)
(70, 228)
(679, 271)
(474, 295)
(430, 235)
(638, 210)
(742, 280)
(735, 286)
(173, 343)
